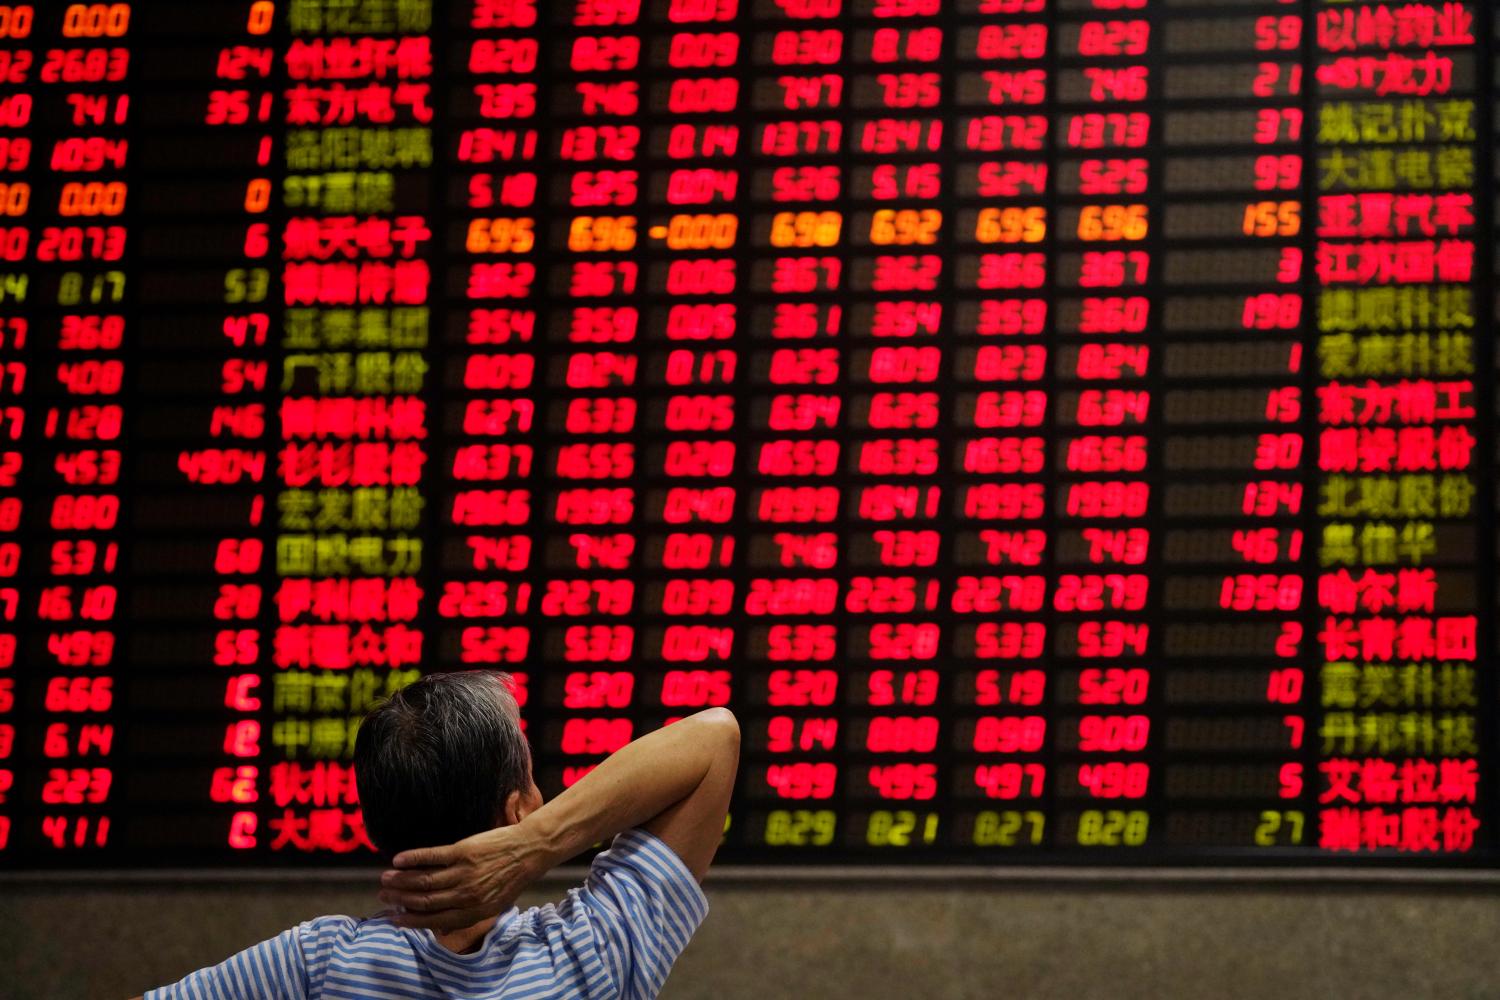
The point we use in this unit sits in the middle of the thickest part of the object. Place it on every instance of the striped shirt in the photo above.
(616, 936)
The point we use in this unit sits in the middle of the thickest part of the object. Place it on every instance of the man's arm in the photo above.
(675, 783)
(273, 968)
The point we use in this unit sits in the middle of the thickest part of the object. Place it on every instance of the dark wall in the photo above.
(960, 940)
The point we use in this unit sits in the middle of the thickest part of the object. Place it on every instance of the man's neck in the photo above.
(465, 939)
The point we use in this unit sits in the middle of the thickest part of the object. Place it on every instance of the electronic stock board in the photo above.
(1062, 430)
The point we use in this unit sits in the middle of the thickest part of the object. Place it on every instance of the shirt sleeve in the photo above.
(644, 906)
(273, 970)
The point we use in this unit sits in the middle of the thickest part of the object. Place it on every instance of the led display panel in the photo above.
(1063, 431)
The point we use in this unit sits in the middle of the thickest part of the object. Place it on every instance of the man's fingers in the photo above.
(427, 857)
(421, 880)
(427, 902)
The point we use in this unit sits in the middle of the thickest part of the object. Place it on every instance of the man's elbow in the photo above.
(725, 727)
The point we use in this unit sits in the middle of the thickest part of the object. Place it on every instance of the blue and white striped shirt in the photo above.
(617, 936)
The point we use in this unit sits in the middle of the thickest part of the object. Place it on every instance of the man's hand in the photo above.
(446, 888)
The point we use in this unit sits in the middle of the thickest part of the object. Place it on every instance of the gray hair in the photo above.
(436, 761)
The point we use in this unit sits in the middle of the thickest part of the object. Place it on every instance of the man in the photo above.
(445, 760)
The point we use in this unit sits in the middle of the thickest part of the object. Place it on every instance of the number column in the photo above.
(1107, 458)
(1397, 224)
(999, 364)
(490, 419)
(201, 460)
(17, 61)
(243, 105)
(893, 451)
(693, 334)
(796, 375)
(1107, 363)
(1233, 412)
(81, 430)
(594, 376)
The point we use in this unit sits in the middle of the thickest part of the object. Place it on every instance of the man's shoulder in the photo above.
(321, 936)
(634, 853)
(338, 925)
(643, 854)
(635, 890)
(648, 865)
(379, 933)
(641, 905)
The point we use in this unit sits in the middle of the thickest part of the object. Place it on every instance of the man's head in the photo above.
(443, 759)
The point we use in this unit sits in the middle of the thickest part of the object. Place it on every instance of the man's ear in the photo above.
(515, 808)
